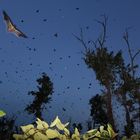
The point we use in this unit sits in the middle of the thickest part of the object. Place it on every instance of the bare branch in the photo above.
(81, 39)
(125, 37)
(132, 57)
(138, 52)
(102, 39)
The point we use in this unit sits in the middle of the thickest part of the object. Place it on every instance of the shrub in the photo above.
(58, 131)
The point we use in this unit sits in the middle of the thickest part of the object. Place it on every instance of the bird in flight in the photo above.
(11, 27)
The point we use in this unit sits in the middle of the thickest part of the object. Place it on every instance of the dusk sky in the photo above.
(51, 48)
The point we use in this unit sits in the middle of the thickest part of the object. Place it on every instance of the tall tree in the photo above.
(103, 64)
(129, 88)
(41, 97)
(114, 75)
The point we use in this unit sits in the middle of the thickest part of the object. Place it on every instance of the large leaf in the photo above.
(26, 128)
(66, 132)
(55, 122)
(40, 136)
(76, 135)
(51, 134)
(98, 134)
(58, 124)
(101, 129)
(90, 133)
(111, 132)
(41, 125)
(31, 132)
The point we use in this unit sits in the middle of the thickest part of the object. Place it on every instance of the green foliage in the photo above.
(2, 113)
(58, 130)
(100, 134)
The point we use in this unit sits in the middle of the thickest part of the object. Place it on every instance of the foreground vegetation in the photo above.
(58, 130)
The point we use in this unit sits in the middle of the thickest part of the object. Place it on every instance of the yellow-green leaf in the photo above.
(26, 128)
(66, 132)
(55, 122)
(62, 137)
(90, 133)
(58, 124)
(40, 136)
(2, 113)
(93, 131)
(111, 132)
(101, 128)
(76, 132)
(66, 124)
(41, 125)
(76, 135)
(51, 134)
(31, 132)
(98, 134)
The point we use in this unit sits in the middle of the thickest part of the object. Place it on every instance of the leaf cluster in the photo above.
(58, 131)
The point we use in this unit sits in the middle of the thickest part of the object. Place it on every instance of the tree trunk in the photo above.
(129, 125)
(109, 108)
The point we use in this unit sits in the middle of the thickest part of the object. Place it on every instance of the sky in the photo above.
(23, 60)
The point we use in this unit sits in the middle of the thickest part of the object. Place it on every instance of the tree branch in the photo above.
(102, 38)
(126, 38)
(81, 39)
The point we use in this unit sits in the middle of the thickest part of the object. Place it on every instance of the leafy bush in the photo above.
(58, 131)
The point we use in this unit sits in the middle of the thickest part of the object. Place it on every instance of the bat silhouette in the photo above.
(11, 27)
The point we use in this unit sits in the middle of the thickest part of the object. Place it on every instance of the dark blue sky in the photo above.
(23, 60)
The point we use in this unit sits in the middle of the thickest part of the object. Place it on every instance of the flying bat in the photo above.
(11, 27)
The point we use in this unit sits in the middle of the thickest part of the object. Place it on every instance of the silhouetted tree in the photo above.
(114, 75)
(98, 110)
(129, 86)
(103, 63)
(41, 97)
